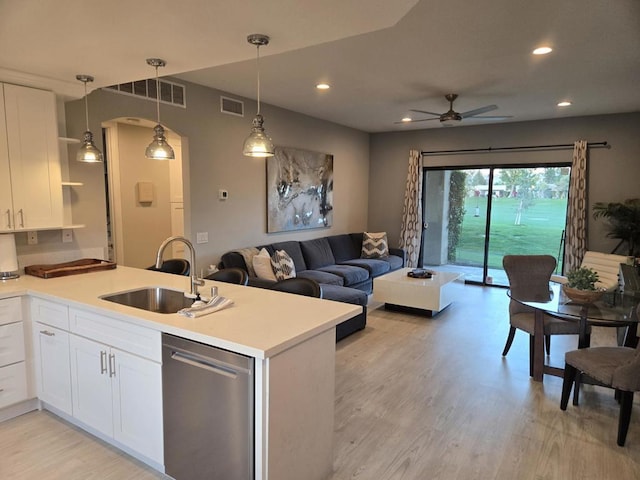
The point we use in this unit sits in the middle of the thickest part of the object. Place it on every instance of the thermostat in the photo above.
(223, 194)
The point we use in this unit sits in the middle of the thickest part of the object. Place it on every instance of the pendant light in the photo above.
(88, 152)
(258, 143)
(158, 149)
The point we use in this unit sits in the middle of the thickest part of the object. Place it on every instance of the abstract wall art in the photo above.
(299, 190)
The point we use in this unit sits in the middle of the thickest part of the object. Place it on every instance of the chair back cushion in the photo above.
(606, 265)
(529, 277)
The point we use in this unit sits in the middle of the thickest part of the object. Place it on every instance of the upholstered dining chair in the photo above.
(528, 275)
(177, 266)
(230, 275)
(301, 286)
(613, 367)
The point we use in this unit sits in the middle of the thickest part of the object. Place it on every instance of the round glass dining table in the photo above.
(613, 309)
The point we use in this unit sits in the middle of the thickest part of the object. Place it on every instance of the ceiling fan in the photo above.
(453, 118)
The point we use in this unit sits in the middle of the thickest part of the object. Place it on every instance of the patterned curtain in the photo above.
(411, 230)
(576, 229)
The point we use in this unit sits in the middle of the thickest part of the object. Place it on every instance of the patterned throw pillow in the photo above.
(283, 265)
(374, 245)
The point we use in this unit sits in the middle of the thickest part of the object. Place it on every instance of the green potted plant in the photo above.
(624, 222)
(581, 285)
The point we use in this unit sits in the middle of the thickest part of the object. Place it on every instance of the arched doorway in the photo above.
(145, 198)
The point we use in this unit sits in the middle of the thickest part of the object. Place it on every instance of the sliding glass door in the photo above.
(473, 217)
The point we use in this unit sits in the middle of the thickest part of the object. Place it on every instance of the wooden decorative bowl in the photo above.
(582, 296)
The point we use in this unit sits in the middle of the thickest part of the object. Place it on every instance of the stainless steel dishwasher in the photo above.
(208, 411)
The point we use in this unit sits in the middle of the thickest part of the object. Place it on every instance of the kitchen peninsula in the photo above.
(290, 337)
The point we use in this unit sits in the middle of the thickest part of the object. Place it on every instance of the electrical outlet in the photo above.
(67, 235)
(202, 237)
(32, 238)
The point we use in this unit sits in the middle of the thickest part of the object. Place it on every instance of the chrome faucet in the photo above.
(195, 281)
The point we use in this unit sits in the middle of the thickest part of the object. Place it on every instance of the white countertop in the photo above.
(261, 323)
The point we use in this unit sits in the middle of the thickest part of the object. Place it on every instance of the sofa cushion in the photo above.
(375, 245)
(325, 278)
(283, 266)
(375, 267)
(293, 249)
(344, 294)
(350, 274)
(394, 261)
(317, 253)
(344, 248)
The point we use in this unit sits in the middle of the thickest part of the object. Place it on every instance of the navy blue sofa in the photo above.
(334, 262)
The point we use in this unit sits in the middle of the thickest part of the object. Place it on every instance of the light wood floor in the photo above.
(416, 399)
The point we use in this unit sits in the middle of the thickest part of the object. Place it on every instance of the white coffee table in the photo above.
(430, 295)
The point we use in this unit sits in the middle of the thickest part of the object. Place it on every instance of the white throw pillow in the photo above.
(262, 265)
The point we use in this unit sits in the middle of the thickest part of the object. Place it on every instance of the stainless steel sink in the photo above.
(152, 299)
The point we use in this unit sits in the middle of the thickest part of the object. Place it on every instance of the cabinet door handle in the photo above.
(112, 365)
(47, 333)
(21, 213)
(103, 362)
(8, 218)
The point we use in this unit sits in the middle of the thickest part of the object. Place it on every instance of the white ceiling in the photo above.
(381, 57)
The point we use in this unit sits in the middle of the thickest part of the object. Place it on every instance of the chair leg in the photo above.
(625, 416)
(531, 350)
(567, 382)
(512, 333)
(547, 343)
(576, 390)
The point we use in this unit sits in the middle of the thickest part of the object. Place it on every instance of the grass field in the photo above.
(539, 231)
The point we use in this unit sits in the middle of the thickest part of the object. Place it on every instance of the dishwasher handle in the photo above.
(200, 362)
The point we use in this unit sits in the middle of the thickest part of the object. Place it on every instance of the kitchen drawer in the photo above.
(11, 343)
(140, 341)
(13, 384)
(10, 310)
(50, 313)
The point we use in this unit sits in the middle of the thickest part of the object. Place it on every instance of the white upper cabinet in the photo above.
(30, 177)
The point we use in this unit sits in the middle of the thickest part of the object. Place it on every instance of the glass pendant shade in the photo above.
(88, 152)
(159, 149)
(258, 143)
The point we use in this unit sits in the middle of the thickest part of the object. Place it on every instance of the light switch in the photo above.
(202, 237)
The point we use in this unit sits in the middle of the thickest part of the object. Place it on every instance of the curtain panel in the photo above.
(576, 228)
(411, 229)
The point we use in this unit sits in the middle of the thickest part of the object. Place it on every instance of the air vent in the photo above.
(170, 92)
(232, 106)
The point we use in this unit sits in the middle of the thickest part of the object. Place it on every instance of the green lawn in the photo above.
(539, 231)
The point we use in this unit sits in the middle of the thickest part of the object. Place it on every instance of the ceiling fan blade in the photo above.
(424, 111)
(419, 120)
(497, 117)
(478, 111)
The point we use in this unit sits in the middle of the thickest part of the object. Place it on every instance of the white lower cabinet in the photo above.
(13, 373)
(118, 394)
(104, 372)
(54, 370)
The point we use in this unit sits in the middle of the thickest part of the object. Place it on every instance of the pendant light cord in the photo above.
(157, 95)
(258, 62)
(86, 105)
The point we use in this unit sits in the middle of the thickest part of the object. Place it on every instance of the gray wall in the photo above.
(212, 148)
(614, 173)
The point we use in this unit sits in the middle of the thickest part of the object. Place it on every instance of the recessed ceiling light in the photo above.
(323, 86)
(564, 104)
(406, 119)
(542, 50)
